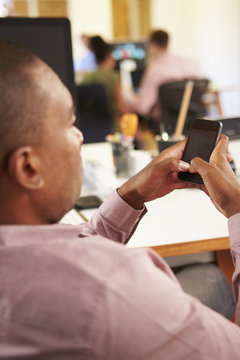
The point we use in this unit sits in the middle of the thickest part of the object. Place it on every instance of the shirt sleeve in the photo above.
(115, 220)
(234, 233)
(146, 315)
(148, 95)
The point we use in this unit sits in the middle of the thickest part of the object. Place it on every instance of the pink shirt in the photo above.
(165, 68)
(68, 292)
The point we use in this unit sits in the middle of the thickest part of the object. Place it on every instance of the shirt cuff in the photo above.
(121, 213)
(234, 230)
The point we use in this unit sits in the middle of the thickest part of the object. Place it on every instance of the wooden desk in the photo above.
(193, 247)
(183, 222)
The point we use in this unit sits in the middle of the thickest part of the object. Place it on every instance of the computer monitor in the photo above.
(135, 50)
(48, 38)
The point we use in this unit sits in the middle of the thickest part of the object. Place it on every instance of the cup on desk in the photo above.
(138, 159)
(121, 158)
(122, 143)
(129, 162)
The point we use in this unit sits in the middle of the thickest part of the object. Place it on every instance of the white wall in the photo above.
(90, 17)
(209, 32)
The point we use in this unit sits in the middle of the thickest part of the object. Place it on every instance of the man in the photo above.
(164, 67)
(74, 292)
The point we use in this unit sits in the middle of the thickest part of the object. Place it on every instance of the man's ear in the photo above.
(24, 168)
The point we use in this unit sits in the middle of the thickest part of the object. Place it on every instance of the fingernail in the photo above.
(183, 165)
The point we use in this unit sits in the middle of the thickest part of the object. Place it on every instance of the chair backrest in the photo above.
(231, 126)
(170, 97)
(95, 119)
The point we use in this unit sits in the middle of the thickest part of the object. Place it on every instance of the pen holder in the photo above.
(121, 158)
(164, 144)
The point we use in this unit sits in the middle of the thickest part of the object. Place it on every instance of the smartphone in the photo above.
(202, 139)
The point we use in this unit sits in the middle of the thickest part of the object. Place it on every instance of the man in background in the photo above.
(163, 67)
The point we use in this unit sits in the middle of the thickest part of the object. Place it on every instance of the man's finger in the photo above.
(174, 151)
(185, 185)
(221, 148)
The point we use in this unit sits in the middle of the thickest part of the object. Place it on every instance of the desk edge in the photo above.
(192, 247)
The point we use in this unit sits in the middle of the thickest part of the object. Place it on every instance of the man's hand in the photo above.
(220, 182)
(157, 179)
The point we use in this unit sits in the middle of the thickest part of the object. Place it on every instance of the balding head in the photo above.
(41, 171)
(22, 100)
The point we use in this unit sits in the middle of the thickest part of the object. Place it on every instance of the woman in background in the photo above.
(106, 76)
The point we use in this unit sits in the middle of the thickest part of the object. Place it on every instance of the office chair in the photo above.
(170, 97)
(95, 120)
(231, 127)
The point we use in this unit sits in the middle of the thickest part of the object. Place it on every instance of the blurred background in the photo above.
(208, 31)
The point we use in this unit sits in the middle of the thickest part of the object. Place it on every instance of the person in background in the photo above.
(88, 62)
(163, 67)
(106, 76)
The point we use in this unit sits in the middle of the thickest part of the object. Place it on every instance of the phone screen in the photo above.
(201, 142)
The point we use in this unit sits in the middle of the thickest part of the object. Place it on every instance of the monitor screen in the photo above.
(130, 50)
(48, 38)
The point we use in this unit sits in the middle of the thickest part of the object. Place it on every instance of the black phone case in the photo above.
(194, 177)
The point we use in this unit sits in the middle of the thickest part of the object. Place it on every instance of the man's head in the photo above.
(86, 39)
(158, 41)
(40, 161)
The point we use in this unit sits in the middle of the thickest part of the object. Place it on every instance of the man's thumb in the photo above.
(199, 165)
